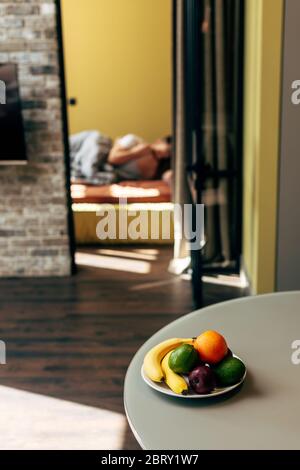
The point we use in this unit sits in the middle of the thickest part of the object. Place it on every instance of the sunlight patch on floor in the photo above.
(147, 251)
(220, 280)
(35, 422)
(128, 254)
(113, 263)
(155, 285)
(230, 281)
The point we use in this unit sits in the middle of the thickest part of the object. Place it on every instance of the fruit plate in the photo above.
(163, 388)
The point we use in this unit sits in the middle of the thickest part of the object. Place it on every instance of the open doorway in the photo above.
(118, 62)
(136, 99)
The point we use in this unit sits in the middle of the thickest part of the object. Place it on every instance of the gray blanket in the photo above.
(89, 153)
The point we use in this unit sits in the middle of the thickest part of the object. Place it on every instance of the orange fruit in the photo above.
(211, 347)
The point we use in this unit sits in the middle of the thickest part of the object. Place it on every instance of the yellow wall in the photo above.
(118, 64)
(264, 32)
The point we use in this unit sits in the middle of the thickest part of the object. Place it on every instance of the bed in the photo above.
(131, 198)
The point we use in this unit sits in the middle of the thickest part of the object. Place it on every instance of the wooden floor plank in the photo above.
(73, 338)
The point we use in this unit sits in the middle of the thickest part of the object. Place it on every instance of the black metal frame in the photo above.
(194, 136)
(72, 244)
(239, 104)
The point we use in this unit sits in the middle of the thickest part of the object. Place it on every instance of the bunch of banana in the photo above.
(153, 359)
(174, 381)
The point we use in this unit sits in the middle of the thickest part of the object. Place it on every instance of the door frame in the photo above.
(65, 129)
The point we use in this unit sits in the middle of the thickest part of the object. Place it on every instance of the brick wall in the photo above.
(33, 204)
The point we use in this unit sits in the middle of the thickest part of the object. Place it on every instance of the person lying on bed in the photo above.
(134, 159)
(95, 159)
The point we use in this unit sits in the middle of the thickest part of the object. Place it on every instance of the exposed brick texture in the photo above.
(33, 202)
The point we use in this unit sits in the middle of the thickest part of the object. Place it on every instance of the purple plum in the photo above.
(202, 380)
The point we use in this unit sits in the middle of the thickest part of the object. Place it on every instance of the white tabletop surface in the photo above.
(264, 414)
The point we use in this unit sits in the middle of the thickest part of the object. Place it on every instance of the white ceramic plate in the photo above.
(163, 388)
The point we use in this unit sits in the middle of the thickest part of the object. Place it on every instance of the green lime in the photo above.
(229, 372)
(183, 359)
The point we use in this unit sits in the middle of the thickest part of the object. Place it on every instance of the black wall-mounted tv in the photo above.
(12, 138)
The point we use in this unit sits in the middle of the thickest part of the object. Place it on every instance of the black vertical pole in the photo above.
(239, 121)
(72, 243)
(194, 137)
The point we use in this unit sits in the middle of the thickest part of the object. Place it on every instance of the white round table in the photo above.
(263, 414)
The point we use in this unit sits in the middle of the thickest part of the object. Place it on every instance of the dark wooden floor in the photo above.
(73, 338)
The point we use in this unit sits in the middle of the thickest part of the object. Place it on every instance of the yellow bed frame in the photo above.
(154, 223)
